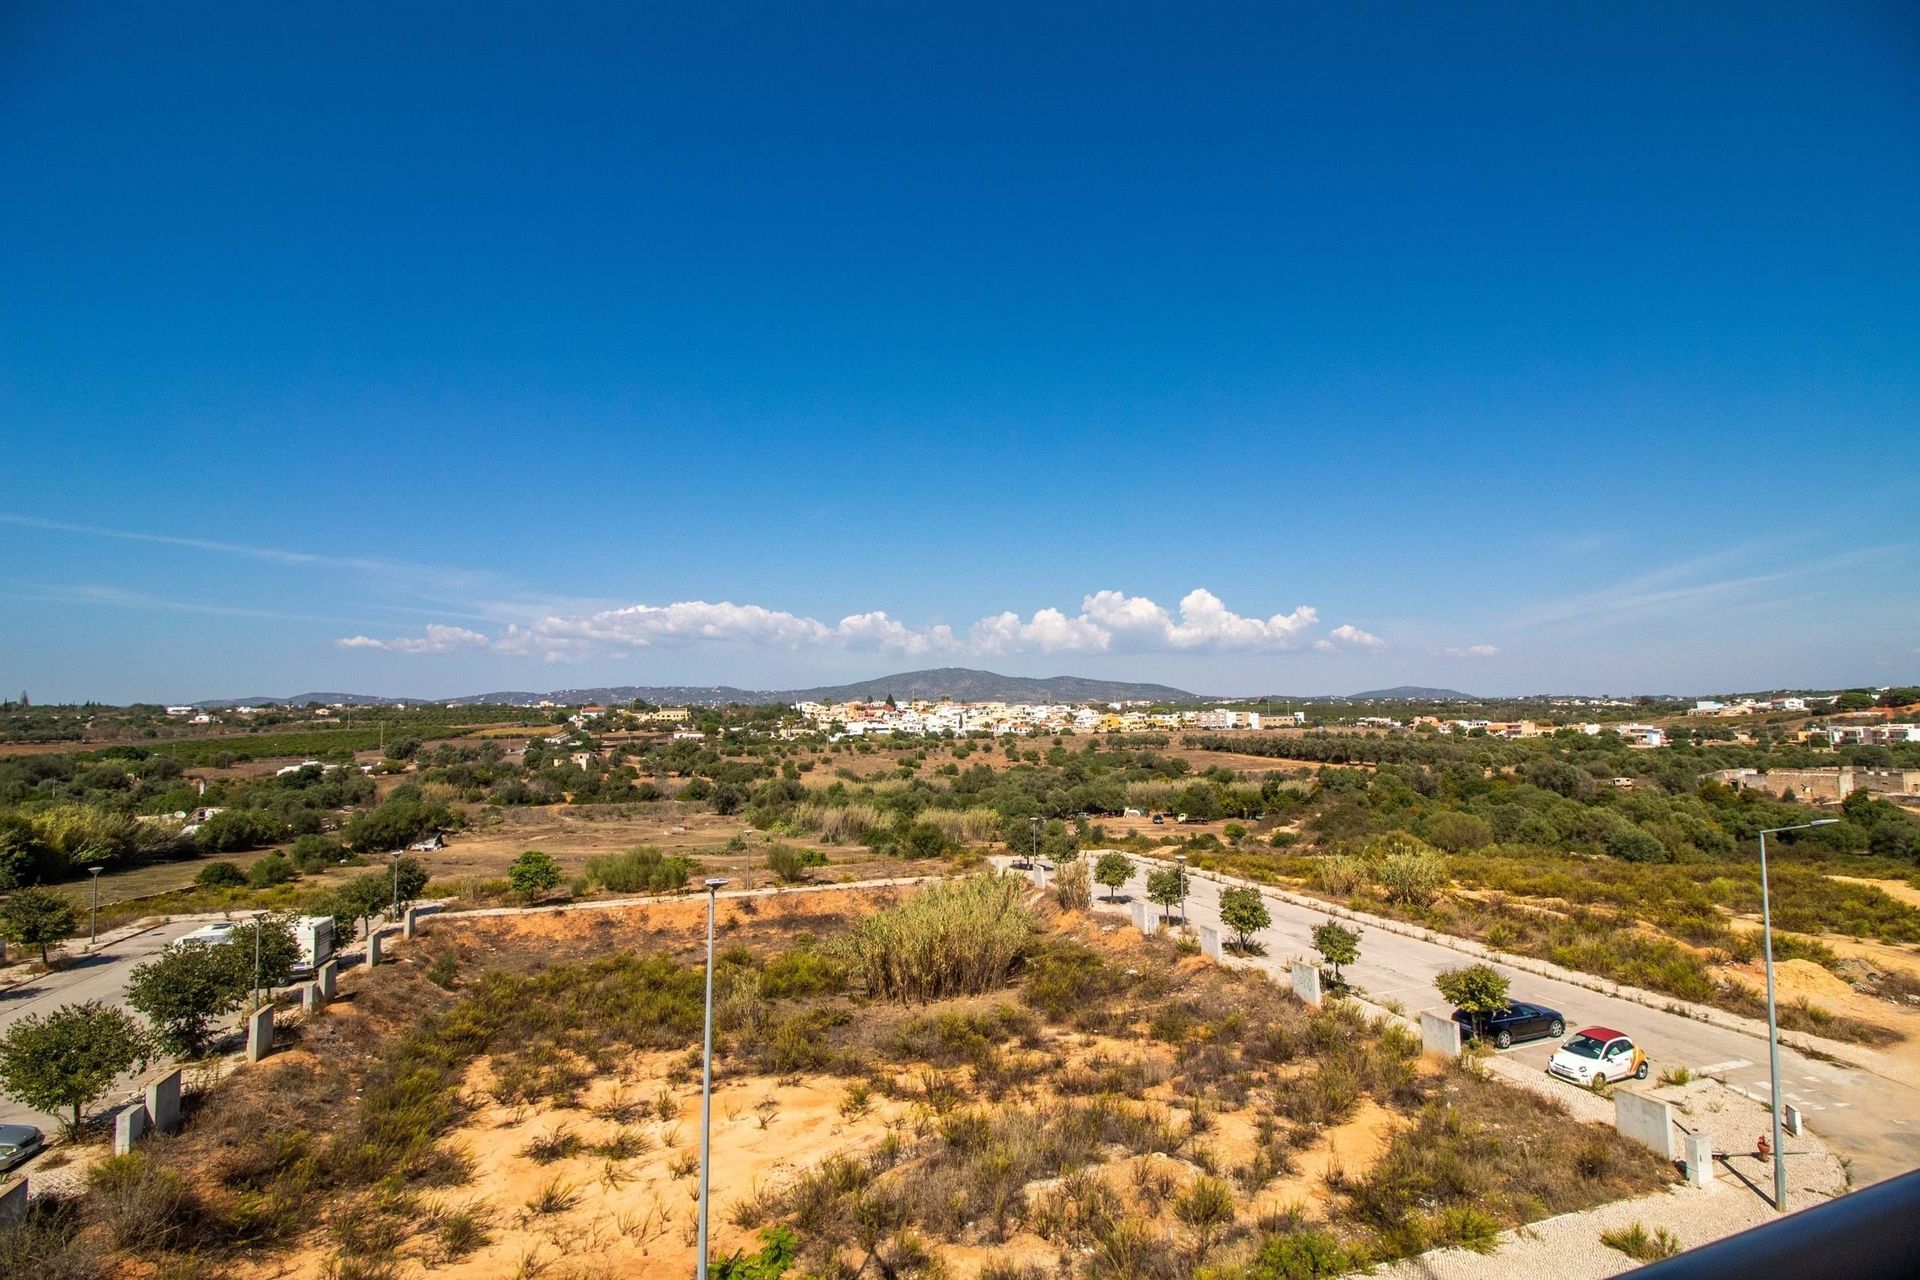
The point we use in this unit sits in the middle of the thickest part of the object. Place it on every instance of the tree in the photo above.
(220, 875)
(1112, 870)
(64, 1060)
(533, 873)
(1168, 888)
(279, 950)
(1635, 845)
(1478, 989)
(38, 917)
(184, 988)
(1245, 912)
(1337, 945)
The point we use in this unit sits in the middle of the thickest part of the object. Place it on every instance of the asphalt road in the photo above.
(1869, 1118)
(100, 975)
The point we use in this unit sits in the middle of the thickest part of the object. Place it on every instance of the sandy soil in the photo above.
(1898, 890)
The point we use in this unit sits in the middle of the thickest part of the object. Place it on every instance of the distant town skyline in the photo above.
(1246, 351)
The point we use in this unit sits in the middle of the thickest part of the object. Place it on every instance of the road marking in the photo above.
(1731, 1064)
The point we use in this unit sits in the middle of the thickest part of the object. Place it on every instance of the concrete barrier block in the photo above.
(1698, 1149)
(311, 1001)
(163, 1102)
(325, 978)
(1306, 982)
(260, 1033)
(1790, 1119)
(13, 1203)
(1439, 1034)
(1210, 943)
(373, 949)
(410, 922)
(1647, 1121)
(1143, 917)
(129, 1127)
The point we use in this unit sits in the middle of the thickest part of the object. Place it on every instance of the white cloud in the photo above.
(437, 639)
(1348, 636)
(1470, 651)
(1107, 621)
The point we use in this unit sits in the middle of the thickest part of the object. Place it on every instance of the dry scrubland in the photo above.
(957, 1082)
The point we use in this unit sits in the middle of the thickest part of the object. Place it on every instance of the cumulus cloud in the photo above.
(1348, 636)
(437, 638)
(1107, 621)
(1470, 651)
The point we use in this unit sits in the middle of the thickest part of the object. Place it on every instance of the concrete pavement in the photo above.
(1871, 1118)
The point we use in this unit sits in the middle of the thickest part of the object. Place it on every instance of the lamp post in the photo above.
(93, 919)
(706, 1084)
(1181, 860)
(1773, 1025)
(1033, 824)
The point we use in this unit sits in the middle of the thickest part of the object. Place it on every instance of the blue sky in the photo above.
(428, 350)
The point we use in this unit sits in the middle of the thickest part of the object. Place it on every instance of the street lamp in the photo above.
(1181, 860)
(1773, 1025)
(93, 920)
(706, 1082)
(1034, 825)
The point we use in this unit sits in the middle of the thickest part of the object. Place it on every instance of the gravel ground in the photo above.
(1569, 1248)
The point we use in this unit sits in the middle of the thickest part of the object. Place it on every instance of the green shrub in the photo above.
(791, 864)
(643, 869)
(1299, 1255)
(1637, 1243)
(270, 871)
(220, 875)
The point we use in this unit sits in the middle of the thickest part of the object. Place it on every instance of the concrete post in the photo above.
(13, 1203)
(128, 1127)
(1647, 1121)
(1439, 1034)
(1210, 943)
(260, 1033)
(409, 923)
(311, 1001)
(1306, 982)
(1699, 1157)
(324, 978)
(1790, 1119)
(1145, 918)
(163, 1102)
(373, 950)
(1039, 876)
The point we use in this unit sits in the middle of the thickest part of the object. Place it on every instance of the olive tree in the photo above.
(1337, 945)
(1112, 870)
(533, 873)
(63, 1061)
(1477, 989)
(39, 917)
(184, 988)
(1245, 912)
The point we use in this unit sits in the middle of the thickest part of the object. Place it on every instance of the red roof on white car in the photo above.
(1603, 1033)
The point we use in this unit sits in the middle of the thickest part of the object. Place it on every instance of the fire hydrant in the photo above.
(1766, 1148)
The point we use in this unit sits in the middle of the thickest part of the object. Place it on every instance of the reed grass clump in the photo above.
(956, 938)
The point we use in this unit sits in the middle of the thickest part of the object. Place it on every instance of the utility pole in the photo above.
(1773, 1024)
(706, 1085)
(93, 920)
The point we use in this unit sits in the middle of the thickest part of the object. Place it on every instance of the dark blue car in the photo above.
(1518, 1021)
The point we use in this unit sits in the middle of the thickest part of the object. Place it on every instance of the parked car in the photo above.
(208, 934)
(1597, 1054)
(19, 1143)
(1518, 1021)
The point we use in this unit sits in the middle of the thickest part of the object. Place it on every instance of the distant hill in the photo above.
(1412, 693)
(968, 685)
(961, 683)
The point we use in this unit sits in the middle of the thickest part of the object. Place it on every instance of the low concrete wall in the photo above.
(311, 1001)
(1697, 1151)
(1645, 1120)
(373, 949)
(163, 1102)
(325, 978)
(129, 1127)
(13, 1203)
(410, 922)
(1439, 1034)
(1210, 943)
(260, 1033)
(1145, 918)
(1306, 981)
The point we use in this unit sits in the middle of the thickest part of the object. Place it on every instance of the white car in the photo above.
(1598, 1054)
